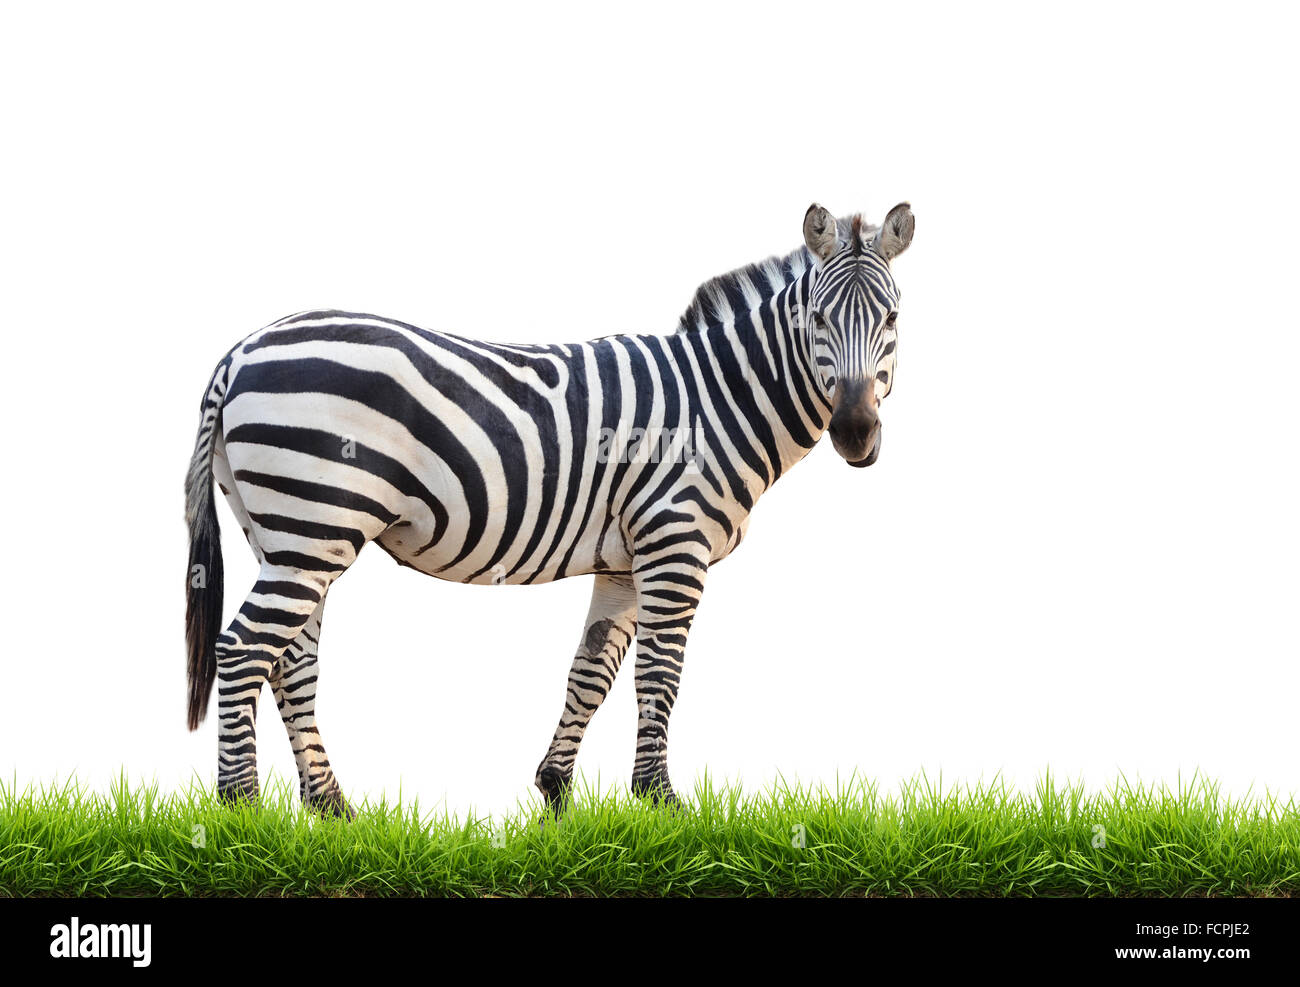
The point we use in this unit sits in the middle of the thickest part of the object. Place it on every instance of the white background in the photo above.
(1078, 549)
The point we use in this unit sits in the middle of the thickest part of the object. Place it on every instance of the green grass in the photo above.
(924, 840)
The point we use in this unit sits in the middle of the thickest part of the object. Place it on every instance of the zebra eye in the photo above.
(893, 317)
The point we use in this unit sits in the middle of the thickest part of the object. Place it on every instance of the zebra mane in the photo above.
(745, 288)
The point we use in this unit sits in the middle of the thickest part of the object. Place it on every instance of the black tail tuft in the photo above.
(204, 578)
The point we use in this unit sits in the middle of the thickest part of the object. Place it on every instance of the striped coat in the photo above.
(637, 458)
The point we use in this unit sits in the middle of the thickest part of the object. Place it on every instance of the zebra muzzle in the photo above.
(855, 426)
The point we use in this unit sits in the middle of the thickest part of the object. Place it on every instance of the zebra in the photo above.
(491, 463)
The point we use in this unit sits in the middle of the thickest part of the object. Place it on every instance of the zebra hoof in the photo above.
(657, 790)
(553, 783)
(238, 793)
(332, 805)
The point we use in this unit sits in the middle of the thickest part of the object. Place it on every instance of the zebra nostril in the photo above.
(839, 433)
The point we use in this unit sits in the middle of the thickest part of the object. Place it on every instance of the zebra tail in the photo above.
(205, 576)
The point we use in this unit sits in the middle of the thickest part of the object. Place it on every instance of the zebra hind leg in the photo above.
(609, 629)
(273, 614)
(293, 683)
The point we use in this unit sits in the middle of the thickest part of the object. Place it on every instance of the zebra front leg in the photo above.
(668, 587)
(610, 626)
(273, 614)
(293, 683)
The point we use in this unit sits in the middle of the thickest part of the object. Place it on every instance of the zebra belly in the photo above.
(362, 478)
(590, 553)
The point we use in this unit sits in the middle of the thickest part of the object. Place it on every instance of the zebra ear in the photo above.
(819, 231)
(895, 232)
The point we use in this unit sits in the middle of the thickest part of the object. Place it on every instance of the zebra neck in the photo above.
(768, 372)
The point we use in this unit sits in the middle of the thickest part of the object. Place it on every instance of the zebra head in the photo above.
(852, 320)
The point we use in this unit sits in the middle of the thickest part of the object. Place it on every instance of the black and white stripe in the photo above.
(491, 463)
